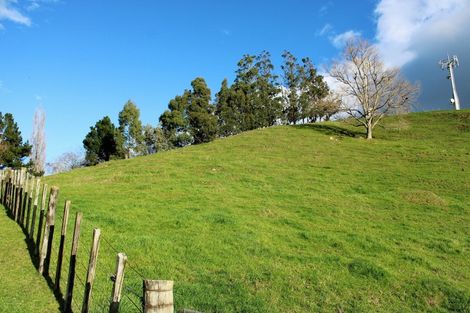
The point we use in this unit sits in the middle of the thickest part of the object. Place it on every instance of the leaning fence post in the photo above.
(35, 208)
(158, 296)
(65, 219)
(41, 218)
(90, 277)
(73, 262)
(118, 282)
(46, 249)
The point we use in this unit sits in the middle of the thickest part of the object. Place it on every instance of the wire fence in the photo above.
(101, 296)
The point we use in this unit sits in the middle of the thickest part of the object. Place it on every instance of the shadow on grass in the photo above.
(34, 256)
(331, 130)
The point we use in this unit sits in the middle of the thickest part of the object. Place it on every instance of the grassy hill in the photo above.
(293, 218)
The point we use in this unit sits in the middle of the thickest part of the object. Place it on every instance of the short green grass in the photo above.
(22, 289)
(309, 218)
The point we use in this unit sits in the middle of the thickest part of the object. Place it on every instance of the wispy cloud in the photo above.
(9, 12)
(34, 5)
(225, 32)
(340, 40)
(325, 30)
(324, 8)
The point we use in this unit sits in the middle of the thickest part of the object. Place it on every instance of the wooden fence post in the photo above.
(158, 296)
(35, 208)
(73, 262)
(2, 176)
(18, 191)
(90, 277)
(21, 195)
(46, 249)
(65, 220)
(24, 199)
(118, 283)
(29, 202)
(41, 218)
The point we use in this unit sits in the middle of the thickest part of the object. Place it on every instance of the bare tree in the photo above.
(325, 108)
(66, 162)
(374, 89)
(38, 141)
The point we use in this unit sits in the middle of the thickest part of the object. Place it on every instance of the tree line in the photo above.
(256, 98)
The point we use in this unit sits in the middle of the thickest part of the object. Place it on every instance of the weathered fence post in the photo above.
(41, 218)
(20, 203)
(65, 219)
(73, 262)
(90, 277)
(35, 208)
(29, 202)
(118, 282)
(24, 200)
(46, 249)
(158, 296)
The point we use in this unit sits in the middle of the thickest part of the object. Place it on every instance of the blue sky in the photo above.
(82, 60)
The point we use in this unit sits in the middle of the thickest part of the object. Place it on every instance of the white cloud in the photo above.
(340, 40)
(324, 8)
(8, 12)
(33, 6)
(325, 30)
(416, 34)
(400, 23)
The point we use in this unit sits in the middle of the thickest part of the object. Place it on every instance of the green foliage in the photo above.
(130, 127)
(202, 121)
(12, 149)
(104, 142)
(175, 122)
(291, 78)
(248, 224)
(228, 115)
(304, 89)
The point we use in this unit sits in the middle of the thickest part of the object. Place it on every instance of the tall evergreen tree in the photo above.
(291, 77)
(12, 149)
(202, 121)
(130, 127)
(175, 123)
(227, 112)
(312, 87)
(244, 92)
(268, 105)
(104, 142)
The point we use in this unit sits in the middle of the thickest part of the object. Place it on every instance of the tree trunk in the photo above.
(369, 130)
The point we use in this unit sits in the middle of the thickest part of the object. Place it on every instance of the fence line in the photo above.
(19, 194)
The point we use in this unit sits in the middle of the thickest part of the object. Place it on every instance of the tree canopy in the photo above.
(103, 143)
(13, 151)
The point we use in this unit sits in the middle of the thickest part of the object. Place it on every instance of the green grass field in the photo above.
(22, 288)
(309, 218)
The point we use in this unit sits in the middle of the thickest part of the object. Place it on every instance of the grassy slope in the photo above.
(22, 288)
(294, 219)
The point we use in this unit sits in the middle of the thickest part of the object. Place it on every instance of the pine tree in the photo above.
(130, 127)
(12, 149)
(202, 121)
(104, 142)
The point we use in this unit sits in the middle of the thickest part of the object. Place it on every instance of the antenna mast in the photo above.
(449, 64)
